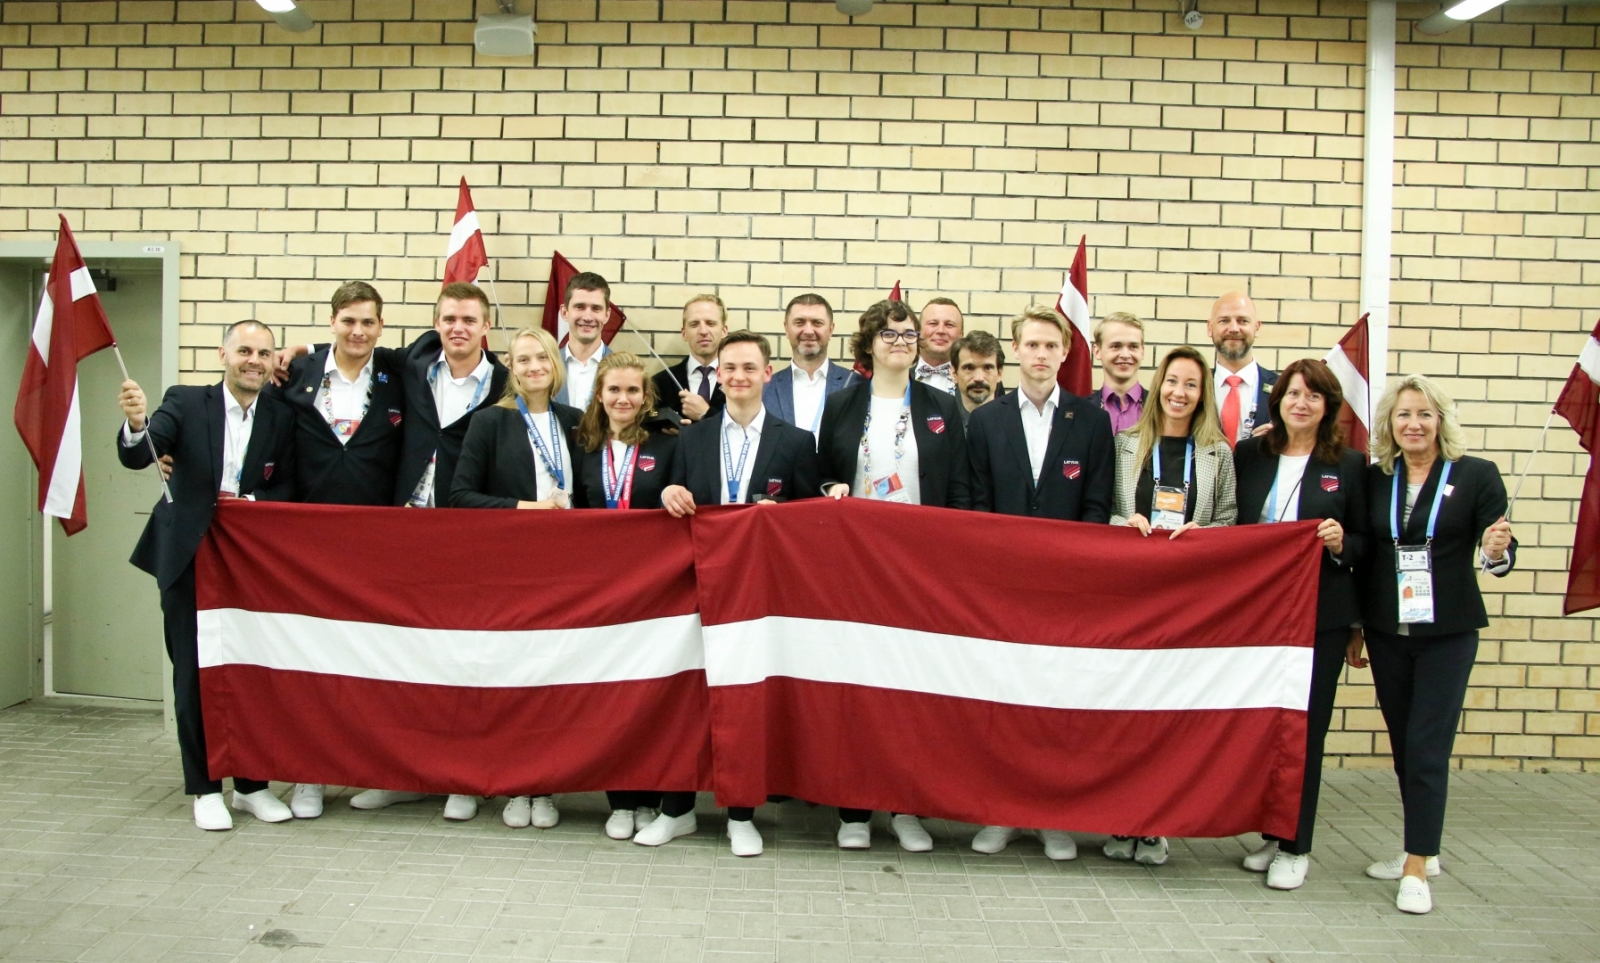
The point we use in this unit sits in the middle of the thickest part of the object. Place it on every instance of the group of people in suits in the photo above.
(915, 419)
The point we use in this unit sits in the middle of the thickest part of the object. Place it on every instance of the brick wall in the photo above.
(761, 149)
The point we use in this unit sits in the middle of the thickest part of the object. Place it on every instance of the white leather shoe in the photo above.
(211, 813)
(664, 829)
(994, 839)
(1394, 867)
(263, 805)
(545, 814)
(306, 803)
(518, 812)
(642, 817)
(855, 836)
(619, 825)
(744, 836)
(1119, 847)
(460, 808)
(1258, 860)
(1288, 871)
(382, 798)
(1414, 896)
(1151, 850)
(912, 834)
(1058, 844)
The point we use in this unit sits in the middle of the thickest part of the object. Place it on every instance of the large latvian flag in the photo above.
(1081, 677)
(475, 652)
(1580, 405)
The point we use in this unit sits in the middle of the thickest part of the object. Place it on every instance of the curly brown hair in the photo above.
(875, 319)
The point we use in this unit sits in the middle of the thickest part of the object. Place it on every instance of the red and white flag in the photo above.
(1348, 361)
(71, 325)
(1076, 375)
(466, 254)
(894, 293)
(1580, 405)
(555, 293)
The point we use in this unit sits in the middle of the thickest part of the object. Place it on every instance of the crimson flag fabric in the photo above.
(462, 668)
(1580, 405)
(1076, 374)
(555, 322)
(894, 293)
(1348, 361)
(1163, 695)
(70, 326)
(466, 253)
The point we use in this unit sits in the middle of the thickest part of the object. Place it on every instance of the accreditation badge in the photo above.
(1168, 506)
(1414, 569)
(889, 488)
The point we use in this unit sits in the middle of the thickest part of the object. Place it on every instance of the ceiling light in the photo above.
(287, 15)
(1454, 16)
(854, 8)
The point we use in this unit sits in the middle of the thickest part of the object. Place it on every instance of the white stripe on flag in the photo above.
(1045, 676)
(462, 232)
(44, 327)
(82, 284)
(647, 649)
(1352, 383)
(63, 491)
(1589, 359)
(1077, 310)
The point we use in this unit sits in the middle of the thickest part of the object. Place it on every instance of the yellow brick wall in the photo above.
(761, 149)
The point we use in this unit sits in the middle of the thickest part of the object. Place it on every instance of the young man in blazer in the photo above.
(586, 306)
(227, 440)
(1242, 386)
(797, 393)
(691, 385)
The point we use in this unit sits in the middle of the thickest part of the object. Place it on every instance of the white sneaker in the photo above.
(744, 836)
(382, 798)
(620, 824)
(994, 839)
(664, 829)
(1151, 851)
(1120, 847)
(460, 808)
(263, 805)
(545, 814)
(1260, 859)
(642, 817)
(1058, 844)
(518, 812)
(909, 830)
(306, 802)
(1414, 896)
(211, 813)
(855, 836)
(1394, 868)
(1288, 871)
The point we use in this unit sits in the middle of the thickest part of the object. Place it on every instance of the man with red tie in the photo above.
(1242, 385)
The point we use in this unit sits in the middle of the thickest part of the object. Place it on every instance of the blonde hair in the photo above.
(1043, 315)
(722, 309)
(1203, 425)
(593, 427)
(1117, 317)
(558, 370)
(1452, 440)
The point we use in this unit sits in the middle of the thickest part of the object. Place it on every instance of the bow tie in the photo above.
(925, 370)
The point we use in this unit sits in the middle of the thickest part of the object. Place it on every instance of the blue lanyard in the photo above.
(477, 394)
(550, 462)
(734, 476)
(618, 486)
(1188, 463)
(1433, 515)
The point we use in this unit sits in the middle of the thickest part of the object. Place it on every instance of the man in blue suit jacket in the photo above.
(797, 393)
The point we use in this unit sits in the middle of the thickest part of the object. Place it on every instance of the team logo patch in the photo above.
(1330, 483)
(774, 487)
(1071, 469)
(266, 470)
(394, 417)
(936, 424)
(647, 463)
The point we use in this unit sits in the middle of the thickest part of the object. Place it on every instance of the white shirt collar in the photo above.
(566, 353)
(694, 363)
(480, 372)
(231, 404)
(1250, 374)
(1050, 403)
(366, 369)
(756, 423)
(802, 375)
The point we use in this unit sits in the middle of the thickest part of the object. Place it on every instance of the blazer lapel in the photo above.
(216, 425)
(1016, 438)
(1060, 429)
(783, 394)
(1416, 530)
(1313, 498)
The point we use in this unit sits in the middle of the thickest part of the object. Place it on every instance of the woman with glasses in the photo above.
(896, 440)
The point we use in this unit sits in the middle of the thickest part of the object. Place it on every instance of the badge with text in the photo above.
(889, 488)
(395, 417)
(936, 424)
(1330, 483)
(647, 463)
(1071, 469)
(1414, 568)
(266, 470)
(1167, 507)
(774, 487)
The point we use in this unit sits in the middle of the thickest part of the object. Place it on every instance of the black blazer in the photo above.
(362, 471)
(652, 473)
(497, 467)
(1477, 498)
(189, 426)
(424, 435)
(943, 470)
(667, 390)
(1079, 473)
(783, 467)
(1336, 491)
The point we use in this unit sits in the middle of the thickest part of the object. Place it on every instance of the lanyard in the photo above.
(1188, 463)
(618, 484)
(1433, 514)
(342, 426)
(1272, 499)
(899, 433)
(551, 461)
(477, 393)
(733, 476)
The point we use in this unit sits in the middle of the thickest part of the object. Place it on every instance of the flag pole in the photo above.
(165, 491)
(651, 348)
(499, 312)
(1526, 468)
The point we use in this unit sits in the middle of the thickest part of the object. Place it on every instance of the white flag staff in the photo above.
(1529, 465)
(166, 491)
(651, 348)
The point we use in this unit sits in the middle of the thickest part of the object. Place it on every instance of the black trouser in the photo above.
(182, 634)
(1326, 664)
(631, 799)
(681, 803)
(1421, 683)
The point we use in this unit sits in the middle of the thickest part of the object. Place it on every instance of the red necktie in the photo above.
(1230, 409)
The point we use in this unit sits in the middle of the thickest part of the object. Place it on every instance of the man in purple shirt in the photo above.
(1119, 344)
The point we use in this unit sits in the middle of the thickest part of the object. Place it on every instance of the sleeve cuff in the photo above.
(1494, 568)
(131, 438)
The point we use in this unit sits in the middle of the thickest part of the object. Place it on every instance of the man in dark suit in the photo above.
(227, 440)
(1242, 386)
(978, 364)
(797, 393)
(691, 385)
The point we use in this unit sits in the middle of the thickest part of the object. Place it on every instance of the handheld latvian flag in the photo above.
(71, 326)
(894, 293)
(1076, 374)
(466, 254)
(1348, 361)
(1580, 405)
(555, 320)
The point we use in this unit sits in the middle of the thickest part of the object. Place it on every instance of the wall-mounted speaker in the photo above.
(505, 35)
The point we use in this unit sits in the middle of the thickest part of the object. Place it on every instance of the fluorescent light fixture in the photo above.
(1454, 16)
(287, 15)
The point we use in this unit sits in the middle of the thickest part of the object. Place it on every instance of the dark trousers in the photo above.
(632, 798)
(1421, 685)
(182, 634)
(681, 803)
(1326, 665)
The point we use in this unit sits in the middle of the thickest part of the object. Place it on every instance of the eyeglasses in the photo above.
(890, 336)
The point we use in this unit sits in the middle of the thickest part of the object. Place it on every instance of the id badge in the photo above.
(1414, 570)
(1167, 507)
(889, 488)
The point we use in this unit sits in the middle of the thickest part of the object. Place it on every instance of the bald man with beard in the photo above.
(1242, 385)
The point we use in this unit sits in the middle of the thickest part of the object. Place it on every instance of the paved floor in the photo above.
(99, 861)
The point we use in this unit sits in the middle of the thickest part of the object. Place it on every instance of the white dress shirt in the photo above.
(580, 376)
(1291, 470)
(941, 378)
(237, 425)
(733, 440)
(453, 398)
(810, 395)
(1036, 423)
(880, 443)
(1251, 374)
(345, 399)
